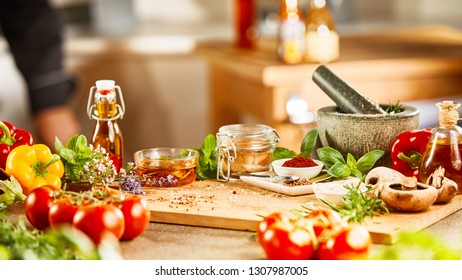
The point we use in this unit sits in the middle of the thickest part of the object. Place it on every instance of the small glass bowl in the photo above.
(166, 167)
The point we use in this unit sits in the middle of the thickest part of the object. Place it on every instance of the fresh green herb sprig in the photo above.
(17, 242)
(11, 192)
(207, 167)
(341, 168)
(75, 154)
(396, 108)
(356, 205)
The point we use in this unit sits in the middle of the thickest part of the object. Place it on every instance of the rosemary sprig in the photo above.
(394, 108)
(356, 205)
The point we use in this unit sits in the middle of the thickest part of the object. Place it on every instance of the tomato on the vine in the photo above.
(136, 215)
(283, 239)
(324, 219)
(352, 242)
(62, 211)
(267, 221)
(319, 234)
(37, 206)
(96, 220)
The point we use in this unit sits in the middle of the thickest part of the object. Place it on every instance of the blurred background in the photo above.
(147, 47)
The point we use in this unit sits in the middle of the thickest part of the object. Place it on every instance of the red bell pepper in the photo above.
(407, 149)
(11, 137)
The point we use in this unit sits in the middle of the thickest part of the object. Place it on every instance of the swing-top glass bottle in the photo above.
(103, 106)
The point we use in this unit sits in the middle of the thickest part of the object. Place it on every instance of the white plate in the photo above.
(267, 184)
(335, 190)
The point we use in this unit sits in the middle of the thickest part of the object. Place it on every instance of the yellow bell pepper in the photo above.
(34, 166)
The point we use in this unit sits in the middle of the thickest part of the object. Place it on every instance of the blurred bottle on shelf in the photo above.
(291, 33)
(246, 31)
(322, 39)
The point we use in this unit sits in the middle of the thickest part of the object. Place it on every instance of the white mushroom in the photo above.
(400, 192)
(416, 200)
(447, 188)
(381, 176)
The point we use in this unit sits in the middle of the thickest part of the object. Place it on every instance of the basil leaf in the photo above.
(330, 156)
(71, 143)
(351, 161)
(339, 170)
(209, 145)
(207, 167)
(81, 143)
(58, 145)
(356, 173)
(308, 143)
(280, 153)
(367, 161)
(68, 155)
(73, 172)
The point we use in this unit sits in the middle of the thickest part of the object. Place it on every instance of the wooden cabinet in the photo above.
(164, 91)
(399, 65)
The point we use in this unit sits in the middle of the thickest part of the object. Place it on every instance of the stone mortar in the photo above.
(360, 133)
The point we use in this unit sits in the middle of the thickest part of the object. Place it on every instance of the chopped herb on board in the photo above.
(356, 205)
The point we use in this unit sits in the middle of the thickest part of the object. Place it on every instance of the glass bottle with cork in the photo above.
(291, 35)
(322, 39)
(445, 146)
(103, 107)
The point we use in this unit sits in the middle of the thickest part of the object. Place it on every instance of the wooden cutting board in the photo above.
(239, 206)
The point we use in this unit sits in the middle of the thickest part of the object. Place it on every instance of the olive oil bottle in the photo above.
(445, 146)
(103, 107)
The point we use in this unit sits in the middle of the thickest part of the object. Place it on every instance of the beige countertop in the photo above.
(163, 241)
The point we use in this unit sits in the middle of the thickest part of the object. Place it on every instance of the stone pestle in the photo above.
(345, 97)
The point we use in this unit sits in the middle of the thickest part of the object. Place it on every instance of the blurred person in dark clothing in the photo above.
(33, 31)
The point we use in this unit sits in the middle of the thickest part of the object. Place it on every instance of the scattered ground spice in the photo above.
(300, 182)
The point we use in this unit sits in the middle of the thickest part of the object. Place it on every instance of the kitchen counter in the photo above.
(162, 241)
(173, 242)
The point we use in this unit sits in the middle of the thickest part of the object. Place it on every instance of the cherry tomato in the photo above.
(288, 243)
(97, 220)
(282, 238)
(136, 215)
(62, 211)
(38, 204)
(267, 221)
(324, 219)
(352, 242)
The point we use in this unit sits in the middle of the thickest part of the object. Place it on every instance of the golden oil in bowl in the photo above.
(166, 167)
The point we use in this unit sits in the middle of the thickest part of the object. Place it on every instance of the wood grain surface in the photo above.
(239, 206)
